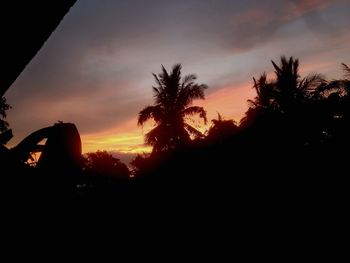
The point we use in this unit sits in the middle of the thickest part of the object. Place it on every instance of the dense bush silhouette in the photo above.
(222, 129)
(101, 163)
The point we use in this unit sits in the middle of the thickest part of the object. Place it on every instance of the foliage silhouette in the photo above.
(287, 92)
(101, 163)
(286, 153)
(3, 108)
(336, 100)
(286, 108)
(222, 129)
(173, 98)
(140, 163)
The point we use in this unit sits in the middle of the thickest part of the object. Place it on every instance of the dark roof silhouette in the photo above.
(24, 29)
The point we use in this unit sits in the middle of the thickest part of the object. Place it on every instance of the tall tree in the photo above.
(288, 90)
(287, 104)
(173, 97)
(336, 100)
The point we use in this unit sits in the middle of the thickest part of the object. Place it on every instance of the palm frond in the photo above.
(150, 112)
(156, 91)
(154, 136)
(295, 64)
(190, 93)
(264, 90)
(176, 71)
(346, 69)
(195, 110)
(252, 104)
(219, 119)
(286, 66)
(193, 131)
(164, 74)
(158, 81)
(311, 83)
(188, 79)
(277, 68)
(4, 107)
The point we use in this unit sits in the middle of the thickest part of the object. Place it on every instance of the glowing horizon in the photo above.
(96, 69)
(230, 102)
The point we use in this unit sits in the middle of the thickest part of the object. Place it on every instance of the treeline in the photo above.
(292, 118)
(289, 114)
(293, 142)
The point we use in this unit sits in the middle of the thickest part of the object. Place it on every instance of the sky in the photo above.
(96, 68)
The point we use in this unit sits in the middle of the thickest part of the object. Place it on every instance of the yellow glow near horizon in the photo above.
(125, 138)
(230, 102)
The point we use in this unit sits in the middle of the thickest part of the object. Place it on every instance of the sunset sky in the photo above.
(96, 68)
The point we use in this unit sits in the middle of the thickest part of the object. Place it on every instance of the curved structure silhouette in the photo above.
(62, 148)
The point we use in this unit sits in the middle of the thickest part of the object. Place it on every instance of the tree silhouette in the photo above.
(3, 108)
(290, 90)
(265, 93)
(345, 86)
(347, 73)
(287, 91)
(104, 164)
(5, 133)
(222, 129)
(287, 105)
(336, 102)
(340, 87)
(173, 98)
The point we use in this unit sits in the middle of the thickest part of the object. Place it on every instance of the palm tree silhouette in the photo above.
(346, 80)
(173, 98)
(265, 92)
(290, 90)
(287, 93)
(288, 105)
(336, 97)
(345, 102)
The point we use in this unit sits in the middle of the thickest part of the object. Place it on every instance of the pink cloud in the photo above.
(253, 15)
(303, 7)
(265, 15)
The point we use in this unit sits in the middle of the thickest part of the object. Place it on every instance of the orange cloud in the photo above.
(125, 138)
(230, 101)
(265, 15)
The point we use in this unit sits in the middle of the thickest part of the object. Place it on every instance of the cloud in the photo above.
(95, 70)
(261, 23)
(306, 6)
